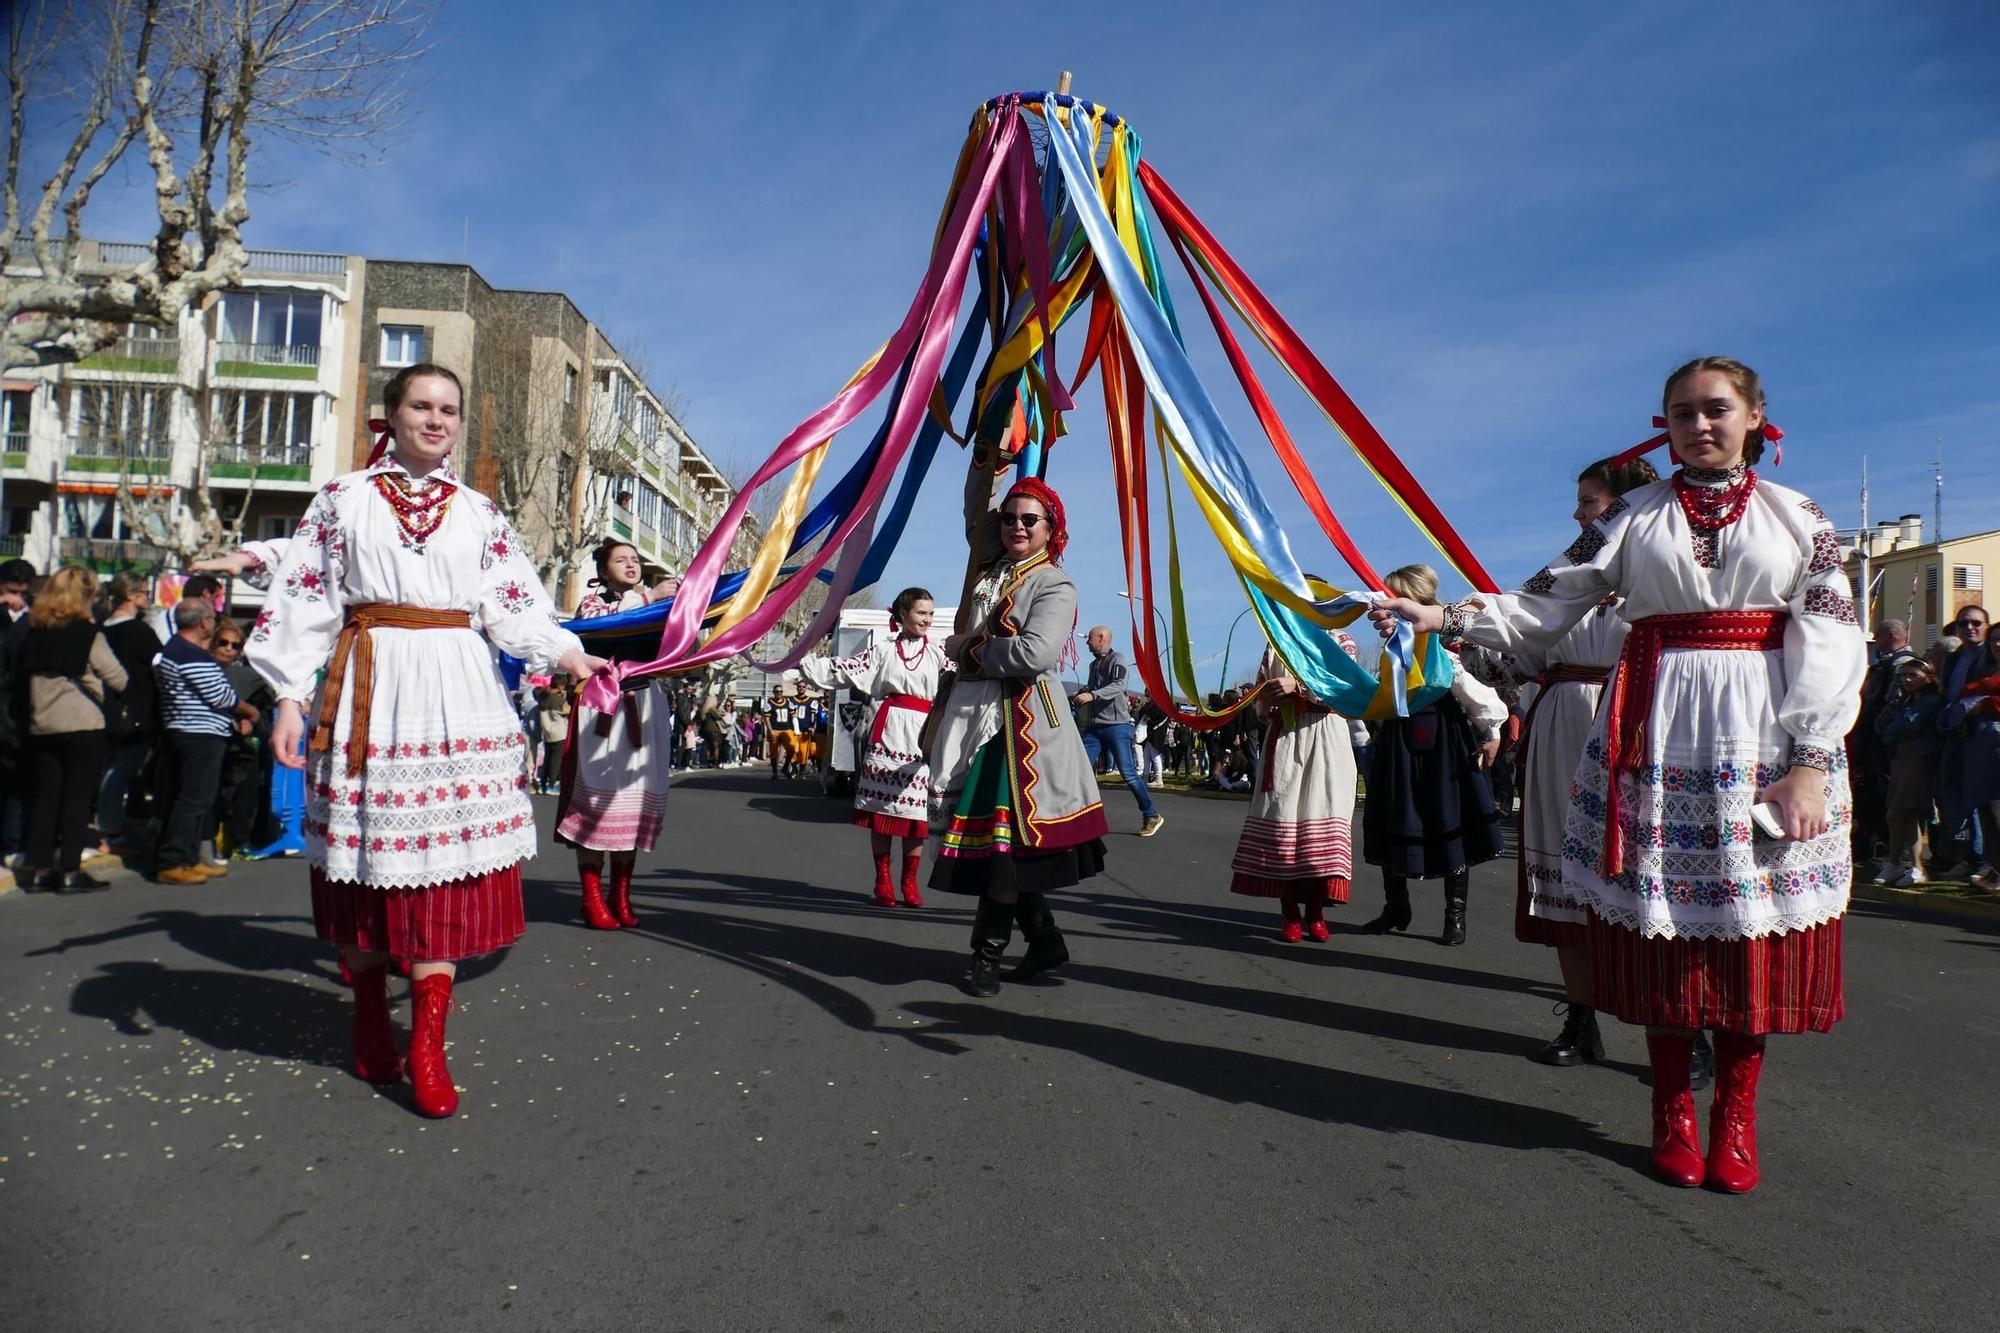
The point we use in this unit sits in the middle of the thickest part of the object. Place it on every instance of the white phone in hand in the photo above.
(1768, 822)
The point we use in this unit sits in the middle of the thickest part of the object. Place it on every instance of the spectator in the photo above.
(243, 801)
(16, 779)
(1880, 688)
(1906, 729)
(1970, 780)
(1108, 723)
(70, 672)
(554, 713)
(197, 712)
(133, 640)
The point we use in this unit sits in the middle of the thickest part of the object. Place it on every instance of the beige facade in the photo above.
(1924, 583)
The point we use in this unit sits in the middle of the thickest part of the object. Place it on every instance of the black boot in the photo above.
(1701, 1064)
(1046, 949)
(1454, 908)
(1395, 907)
(1578, 1042)
(992, 927)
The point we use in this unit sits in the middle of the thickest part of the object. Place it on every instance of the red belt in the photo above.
(356, 642)
(916, 703)
(1631, 704)
(1567, 674)
(635, 730)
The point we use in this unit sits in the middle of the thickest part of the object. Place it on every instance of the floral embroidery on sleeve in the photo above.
(306, 584)
(1824, 601)
(514, 596)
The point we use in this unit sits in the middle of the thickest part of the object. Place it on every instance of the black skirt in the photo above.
(1430, 807)
(1020, 872)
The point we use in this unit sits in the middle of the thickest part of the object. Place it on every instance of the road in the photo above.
(769, 1107)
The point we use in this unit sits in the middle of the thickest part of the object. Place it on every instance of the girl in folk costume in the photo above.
(1430, 811)
(892, 784)
(1735, 686)
(417, 815)
(1007, 759)
(1296, 844)
(615, 770)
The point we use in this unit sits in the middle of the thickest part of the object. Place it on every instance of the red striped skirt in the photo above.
(1298, 890)
(892, 826)
(1780, 983)
(440, 923)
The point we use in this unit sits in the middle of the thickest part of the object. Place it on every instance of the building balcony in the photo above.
(13, 544)
(279, 361)
(17, 448)
(138, 355)
(101, 454)
(245, 460)
(256, 263)
(114, 556)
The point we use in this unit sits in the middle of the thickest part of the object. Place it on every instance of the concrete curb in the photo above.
(96, 865)
(1916, 902)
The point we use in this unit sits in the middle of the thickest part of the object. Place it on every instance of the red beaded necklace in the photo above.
(1712, 508)
(907, 660)
(419, 513)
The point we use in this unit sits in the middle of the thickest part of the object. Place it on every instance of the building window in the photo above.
(270, 317)
(1968, 578)
(402, 344)
(122, 421)
(254, 426)
(277, 527)
(570, 378)
(16, 409)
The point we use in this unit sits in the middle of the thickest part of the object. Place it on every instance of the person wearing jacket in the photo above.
(69, 670)
(132, 638)
(1906, 731)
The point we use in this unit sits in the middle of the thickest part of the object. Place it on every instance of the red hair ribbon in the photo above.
(382, 437)
(1034, 488)
(1768, 430)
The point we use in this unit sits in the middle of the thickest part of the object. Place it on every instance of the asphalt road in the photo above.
(769, 1107)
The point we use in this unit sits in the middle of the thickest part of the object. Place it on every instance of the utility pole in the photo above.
(1937, 495)
(1866, 545)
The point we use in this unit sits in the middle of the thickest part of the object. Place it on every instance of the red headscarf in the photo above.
(1034, 488)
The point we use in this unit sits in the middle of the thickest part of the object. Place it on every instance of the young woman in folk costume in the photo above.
(1430, 811)
(1007, 759)
(1297, 840)
(417, 814)
(1736, 684)
(616, 766)
(892, 781)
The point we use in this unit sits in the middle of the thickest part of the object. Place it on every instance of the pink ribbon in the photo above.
(926, 327)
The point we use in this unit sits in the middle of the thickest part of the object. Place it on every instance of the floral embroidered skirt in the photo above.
(978, 853)
(614, 792)
(438, 923)
(1297, 837)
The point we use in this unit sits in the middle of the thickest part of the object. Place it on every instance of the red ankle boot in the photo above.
(375, 1058)
(1315, 912)
(621, 893)
(1293, 930)
(595, 913)
(885, 884)
(430, 999)
(1732, 1120)
(912, 862)
(1676, 1138)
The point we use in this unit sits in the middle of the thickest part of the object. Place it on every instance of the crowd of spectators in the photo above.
(125, 734)
(1926, 757)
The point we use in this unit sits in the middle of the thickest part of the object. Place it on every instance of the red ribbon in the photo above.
(916, 703)
(1769, 431)
(1630, 707)
(382, 437)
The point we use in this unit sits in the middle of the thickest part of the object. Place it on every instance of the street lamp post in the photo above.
(1222, 680)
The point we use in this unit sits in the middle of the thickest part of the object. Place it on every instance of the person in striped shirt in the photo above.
(198, 709)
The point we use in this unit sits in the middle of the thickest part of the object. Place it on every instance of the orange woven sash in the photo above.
(355, 643)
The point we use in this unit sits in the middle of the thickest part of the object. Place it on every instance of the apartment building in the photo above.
(263, 395)
(1926, 583)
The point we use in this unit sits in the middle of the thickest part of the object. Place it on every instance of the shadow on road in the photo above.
(1311, 1091)
(228, 1011)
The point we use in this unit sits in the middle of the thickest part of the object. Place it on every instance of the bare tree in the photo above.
(190, 82)
(557, 450)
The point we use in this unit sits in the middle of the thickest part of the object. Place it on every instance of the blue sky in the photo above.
(1499, 226)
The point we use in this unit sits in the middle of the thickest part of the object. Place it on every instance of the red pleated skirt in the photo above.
(440, 923)
(892, 826)
(1260, 886)
(1780, 983)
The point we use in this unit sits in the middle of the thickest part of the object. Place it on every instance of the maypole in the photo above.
(1050, 212)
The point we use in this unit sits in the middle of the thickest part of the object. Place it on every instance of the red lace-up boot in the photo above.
(595, 913)
(885, 883)
(912, 863)
(430, 1001)
(621, 893)
(1676, 1138)
(1732, 1120)
(375, 1057)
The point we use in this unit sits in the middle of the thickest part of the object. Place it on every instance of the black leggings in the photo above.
(69, 767)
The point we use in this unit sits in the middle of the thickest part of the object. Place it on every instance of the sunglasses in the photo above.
(1008, 520)
(235, 644)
